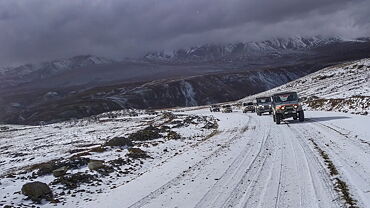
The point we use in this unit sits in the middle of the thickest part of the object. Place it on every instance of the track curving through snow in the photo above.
(253, 162)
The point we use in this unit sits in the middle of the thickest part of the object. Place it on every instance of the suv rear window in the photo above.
(263, 100)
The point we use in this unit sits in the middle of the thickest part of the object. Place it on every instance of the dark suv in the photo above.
(248, 107)
(286, 105)
(214, 108)
(263, 105)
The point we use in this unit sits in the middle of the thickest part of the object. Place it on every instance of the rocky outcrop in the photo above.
(60, 171)
(119, 142)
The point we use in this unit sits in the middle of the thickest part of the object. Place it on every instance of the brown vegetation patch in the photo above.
(340, 186)
(98, 149)
(172, 135)
(149, 133)
(137, 153)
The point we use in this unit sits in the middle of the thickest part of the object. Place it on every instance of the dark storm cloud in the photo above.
(36, 30)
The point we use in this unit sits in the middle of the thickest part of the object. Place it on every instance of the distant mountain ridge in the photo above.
(242, 50)
(242, 55)
(30, 72)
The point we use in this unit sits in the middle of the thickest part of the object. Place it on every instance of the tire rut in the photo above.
(211, 197)
(177, 180)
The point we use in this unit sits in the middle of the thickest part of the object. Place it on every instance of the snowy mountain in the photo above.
(12, 76)
(243, 50)
(88, 85)
(344, 87)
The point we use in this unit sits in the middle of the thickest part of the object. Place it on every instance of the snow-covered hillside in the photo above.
(344, 87)
(128, 143)
(188, 158)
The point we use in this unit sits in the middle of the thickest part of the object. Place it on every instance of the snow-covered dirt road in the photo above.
(252, 162)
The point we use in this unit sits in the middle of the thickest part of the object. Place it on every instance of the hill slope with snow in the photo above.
(344, 87)
(190, 158)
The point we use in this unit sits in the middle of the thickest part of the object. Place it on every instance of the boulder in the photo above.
(119, 142)
(137, 153)
(60, 171)
(46, 168)
(37, 191)
(95, 164)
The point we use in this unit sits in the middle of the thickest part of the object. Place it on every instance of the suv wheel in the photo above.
(278, 119)
(301, 116)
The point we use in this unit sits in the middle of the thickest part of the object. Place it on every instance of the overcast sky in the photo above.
(40, 30)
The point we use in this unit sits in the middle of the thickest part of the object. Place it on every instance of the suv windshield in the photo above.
(282, 98)
(263, 100)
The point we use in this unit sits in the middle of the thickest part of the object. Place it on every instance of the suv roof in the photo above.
(282, 93)
(263, 97)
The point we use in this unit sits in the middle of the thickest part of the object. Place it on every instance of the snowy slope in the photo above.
(344, 87)
(27, 151)
(244, 161)
(254, 163)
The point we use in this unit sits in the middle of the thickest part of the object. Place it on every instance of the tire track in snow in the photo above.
(289, 180)
(239, 170)
(241, 187)
(320, 181)
(177, 180)
(303, 139)
(353, 171)
(363, 145)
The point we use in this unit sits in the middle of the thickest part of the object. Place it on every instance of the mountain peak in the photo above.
(30, 72)
(241, 50)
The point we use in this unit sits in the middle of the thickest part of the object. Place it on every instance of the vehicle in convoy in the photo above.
(151, 112)
(249, 107)
(286, 105)
(226, 109)
(214, 108)
(264, 105)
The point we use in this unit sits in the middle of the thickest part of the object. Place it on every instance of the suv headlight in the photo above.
(280, 107)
